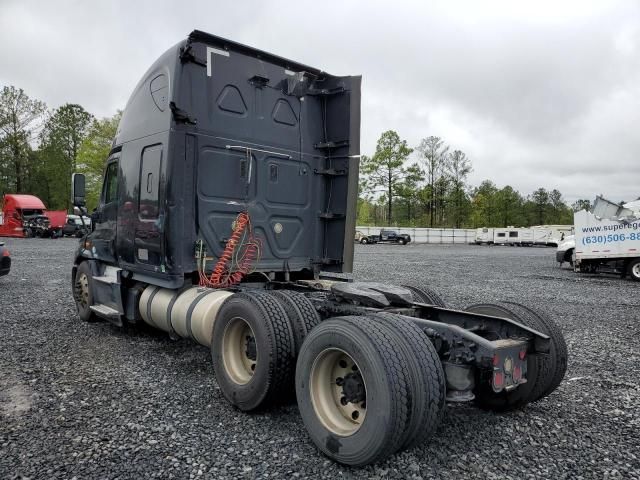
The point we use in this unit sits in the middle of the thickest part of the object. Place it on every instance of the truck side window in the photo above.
(111, 183)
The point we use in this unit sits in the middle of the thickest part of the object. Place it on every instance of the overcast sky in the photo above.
(538, 93)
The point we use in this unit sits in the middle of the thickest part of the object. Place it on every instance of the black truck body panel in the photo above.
(215, 128)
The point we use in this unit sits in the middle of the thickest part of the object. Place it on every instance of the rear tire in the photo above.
(426, 295)
(83, 292)
(364, 418)
(428, 383)
(253, 350)
(301, 313)
(633, 269)
(364, 241)
(542, 372)
(559, 354)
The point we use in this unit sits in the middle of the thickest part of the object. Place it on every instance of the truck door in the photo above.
(105, 216)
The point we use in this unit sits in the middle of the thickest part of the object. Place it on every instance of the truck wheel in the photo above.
(403, 241)
(352, 390)
(559, 354)
(633, 269)
(568, 256)
(301, 313)
(428, 383)
(364, 241)
(83, 292)
(541, 371)
(426, 295)
(253, 350)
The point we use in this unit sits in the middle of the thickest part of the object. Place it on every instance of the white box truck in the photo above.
(605, 244)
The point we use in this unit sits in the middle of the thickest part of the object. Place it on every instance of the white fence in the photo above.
(429, 235)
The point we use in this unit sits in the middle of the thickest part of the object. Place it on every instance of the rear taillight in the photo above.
(517, 374)
(522, 354)
(498, 380)
(5, 253)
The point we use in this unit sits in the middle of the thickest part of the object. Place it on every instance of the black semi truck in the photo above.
(227, 211)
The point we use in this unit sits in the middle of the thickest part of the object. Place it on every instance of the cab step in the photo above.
(108, 313)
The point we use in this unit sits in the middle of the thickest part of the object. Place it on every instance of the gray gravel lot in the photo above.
(91, 401)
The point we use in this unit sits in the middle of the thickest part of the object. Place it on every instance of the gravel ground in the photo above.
(91, 401)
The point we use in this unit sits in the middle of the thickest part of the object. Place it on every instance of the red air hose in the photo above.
(225, 273)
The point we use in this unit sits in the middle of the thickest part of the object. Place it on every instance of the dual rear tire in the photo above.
(366, 386)
(365, 390)
(255, 341)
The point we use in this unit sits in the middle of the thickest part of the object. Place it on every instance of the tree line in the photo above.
(427, 186)
(40, 148)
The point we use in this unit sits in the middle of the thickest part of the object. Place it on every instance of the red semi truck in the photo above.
(26, 216)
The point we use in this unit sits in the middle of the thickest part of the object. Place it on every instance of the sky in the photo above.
(537, 94)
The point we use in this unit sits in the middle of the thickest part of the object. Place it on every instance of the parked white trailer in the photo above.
(518, 236)
(557, 233)
(484, 235)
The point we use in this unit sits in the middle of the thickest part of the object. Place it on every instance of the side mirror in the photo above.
(78, 189)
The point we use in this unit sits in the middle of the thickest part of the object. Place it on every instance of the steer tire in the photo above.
(428, 382)
(364, 241)
(83, 292)
(541, 370)
(633, 269)
(376, 358)
(253, 374)
(426, 295)
(301, 313)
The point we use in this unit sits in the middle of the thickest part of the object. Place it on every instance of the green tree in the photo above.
(433, 156)
(540, 202)
(407, 190)
(62, 136)
(508, 207)
(484, 211)
(20, 116)
(386, 168)
(93, 153)
(459, 168)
